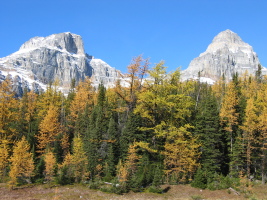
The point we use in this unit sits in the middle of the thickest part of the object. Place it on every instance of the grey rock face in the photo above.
(61, 57)
(227, 54)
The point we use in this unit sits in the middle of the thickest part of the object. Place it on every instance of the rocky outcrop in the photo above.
(61, 57)
(226, 55)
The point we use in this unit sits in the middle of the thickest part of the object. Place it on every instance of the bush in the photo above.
(220, 182)
(200, 180)
(114, 189)
(63, 178)
(154, 189)
(95, 185)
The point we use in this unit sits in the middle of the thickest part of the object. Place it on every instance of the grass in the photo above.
(69, 192)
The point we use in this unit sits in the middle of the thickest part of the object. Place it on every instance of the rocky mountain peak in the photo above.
(67, 41)
(58, 57)
(227, 36)
(226, 55)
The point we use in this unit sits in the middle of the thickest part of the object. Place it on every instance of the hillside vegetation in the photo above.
(157, 130)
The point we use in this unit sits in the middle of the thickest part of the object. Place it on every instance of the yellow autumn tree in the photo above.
(51, 97)
(22, 166)
(4, 158)
(49, 128)
(133, 81)
(250, 127)
(83, 96)
(50, 165)
(228, 114)
(181, 152)
(165, 105)
(8, 112)
(126, 170)
(76, 164)
(79, 160)
(122, 172)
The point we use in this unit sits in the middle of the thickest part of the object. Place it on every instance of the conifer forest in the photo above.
(154, 130)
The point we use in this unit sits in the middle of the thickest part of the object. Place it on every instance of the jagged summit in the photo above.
(61, 57)
(67, 41)
(227, 54)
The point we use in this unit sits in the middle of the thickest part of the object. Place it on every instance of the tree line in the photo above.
(150, 130)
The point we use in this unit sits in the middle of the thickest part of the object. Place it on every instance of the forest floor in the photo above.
(179, 192)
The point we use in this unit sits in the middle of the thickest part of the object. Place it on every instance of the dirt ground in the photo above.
(177, 192)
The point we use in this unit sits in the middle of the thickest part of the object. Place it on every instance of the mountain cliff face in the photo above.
(43, 60)
(226, 55)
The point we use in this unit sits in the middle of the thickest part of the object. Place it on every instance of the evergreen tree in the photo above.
(131, 133)
(208, 131)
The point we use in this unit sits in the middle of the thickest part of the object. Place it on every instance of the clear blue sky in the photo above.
(118, 30)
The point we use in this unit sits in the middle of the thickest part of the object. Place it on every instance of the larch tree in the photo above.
(50, 165)
(79, 160)
(181, 153)
(83, 97)
(229, 116)
(4, 158)
(165, 105)
(22, 166)
(250, 127)
(52, 96)
(137, 71)
(50, 128)
(8, 112)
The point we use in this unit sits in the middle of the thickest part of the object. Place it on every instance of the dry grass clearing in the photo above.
(177, 192)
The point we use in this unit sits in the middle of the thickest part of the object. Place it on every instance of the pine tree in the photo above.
(131, 133)
(111, 158)
(208, 131)
(22, 165)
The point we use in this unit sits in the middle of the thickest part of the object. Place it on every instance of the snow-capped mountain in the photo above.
(226, 55)
(61, 57)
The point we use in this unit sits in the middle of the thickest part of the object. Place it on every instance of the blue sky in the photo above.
(115, 31)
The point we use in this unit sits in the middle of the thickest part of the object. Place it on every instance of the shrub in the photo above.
(200, 180)
(154, 189)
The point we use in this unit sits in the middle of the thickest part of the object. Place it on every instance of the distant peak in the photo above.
(227, 36)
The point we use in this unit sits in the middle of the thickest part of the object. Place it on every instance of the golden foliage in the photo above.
(49, 129)
(50, 164)
(181, 152)
(4, 157)
(124, 171)
(228, 112)
(8, 111)
(83, 96)
(22, 165)
(77, 162)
